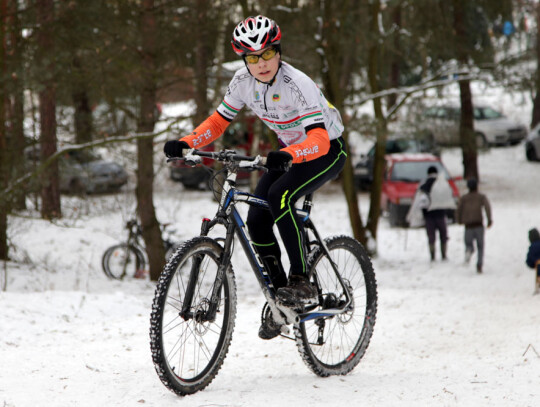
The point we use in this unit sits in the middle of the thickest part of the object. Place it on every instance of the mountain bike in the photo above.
(129, 259)
(194, 307)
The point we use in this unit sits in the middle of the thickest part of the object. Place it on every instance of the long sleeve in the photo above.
(207, 131)
(314, 146)
(487, 208)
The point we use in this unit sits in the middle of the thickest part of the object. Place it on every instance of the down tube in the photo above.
(251, 253)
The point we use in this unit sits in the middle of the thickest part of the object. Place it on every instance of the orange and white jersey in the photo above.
(290, 106)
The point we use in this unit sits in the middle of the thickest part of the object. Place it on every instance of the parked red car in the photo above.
(403, 174)
(239, 136)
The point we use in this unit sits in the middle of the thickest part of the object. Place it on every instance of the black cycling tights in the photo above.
(282, 190)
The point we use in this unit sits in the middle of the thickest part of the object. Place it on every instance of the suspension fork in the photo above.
(224, 263)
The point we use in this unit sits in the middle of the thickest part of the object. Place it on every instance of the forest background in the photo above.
(78, 74)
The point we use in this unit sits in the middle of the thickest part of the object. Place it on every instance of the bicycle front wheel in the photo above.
(122, 260)
(190, 333)
(335, 344)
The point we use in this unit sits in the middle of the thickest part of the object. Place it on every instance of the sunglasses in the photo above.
(266, 55)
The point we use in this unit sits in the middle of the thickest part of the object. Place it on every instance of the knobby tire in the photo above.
(334, 345)
(188, 351)
(122, 260)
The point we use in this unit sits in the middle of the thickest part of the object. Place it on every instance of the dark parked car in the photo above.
(403, 174)
(363, 170)
(85, 171)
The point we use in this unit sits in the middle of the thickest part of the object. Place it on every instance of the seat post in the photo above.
(308, 203)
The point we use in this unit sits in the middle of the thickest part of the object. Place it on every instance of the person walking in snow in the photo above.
(469, 213)
(433, 199)
(533, 256)
(312, 150)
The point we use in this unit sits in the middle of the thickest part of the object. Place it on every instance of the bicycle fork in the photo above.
(209, 314)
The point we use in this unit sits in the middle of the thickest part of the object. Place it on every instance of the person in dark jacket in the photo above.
(439, 201)
(533, 256)
(469, 213)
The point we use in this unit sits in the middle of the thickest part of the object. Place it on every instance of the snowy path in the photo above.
(444, 335)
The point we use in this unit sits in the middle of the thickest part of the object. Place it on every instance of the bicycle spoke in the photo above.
(189, 349)
(345, 335)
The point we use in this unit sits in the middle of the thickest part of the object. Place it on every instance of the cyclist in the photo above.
(313, 152)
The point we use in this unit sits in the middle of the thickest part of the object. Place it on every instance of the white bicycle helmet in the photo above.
(254, 34)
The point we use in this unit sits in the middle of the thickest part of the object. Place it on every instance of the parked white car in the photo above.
(532, 145)
(491, 127)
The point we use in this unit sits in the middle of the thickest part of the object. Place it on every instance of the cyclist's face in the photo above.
(263, 70)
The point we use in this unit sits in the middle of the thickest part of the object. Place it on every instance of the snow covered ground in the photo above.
(444, 335)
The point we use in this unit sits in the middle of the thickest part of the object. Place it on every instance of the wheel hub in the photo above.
(347, 315)
(201, 323)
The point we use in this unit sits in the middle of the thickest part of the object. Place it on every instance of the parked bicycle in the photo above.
(129, 259)
(194, 308)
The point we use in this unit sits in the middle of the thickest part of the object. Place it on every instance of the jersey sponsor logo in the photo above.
(274, 116)
(297, 92)
(297, 121)
(307, 151)
(257, 95)
(202, 137)
(288, 125)
(290, 110)
(276, 97)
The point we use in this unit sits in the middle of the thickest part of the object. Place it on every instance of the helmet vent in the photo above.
(254, 34)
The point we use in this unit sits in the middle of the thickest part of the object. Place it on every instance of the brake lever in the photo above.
(257, 164)
(190, 158)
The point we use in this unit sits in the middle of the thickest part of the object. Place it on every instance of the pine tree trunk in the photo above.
(466, 132)
(81, 101)
(347, 184)
(395, 55)
(336, 75)
(19, 142)
(4, 167)
(466, 127)
(536, 106)
(382, 132)
(145, 173)
(201, 61)
(50, 193)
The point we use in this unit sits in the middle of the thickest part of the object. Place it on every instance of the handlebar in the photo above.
(193, 157)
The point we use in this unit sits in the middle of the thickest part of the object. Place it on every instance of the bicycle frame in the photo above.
(228, 216)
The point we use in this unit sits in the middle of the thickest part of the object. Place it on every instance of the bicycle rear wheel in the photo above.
(335, 344)
(188, 348)
(122, 260)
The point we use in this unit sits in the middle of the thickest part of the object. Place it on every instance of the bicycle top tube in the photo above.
(252, 200)
(234, 162)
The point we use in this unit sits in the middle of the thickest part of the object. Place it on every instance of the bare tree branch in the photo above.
(6, 193)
